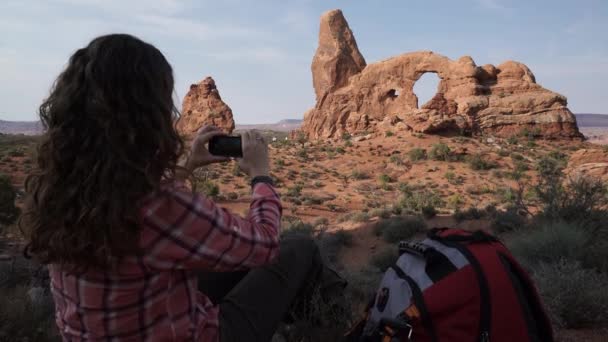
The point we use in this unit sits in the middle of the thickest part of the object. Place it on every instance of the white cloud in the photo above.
(192, 29)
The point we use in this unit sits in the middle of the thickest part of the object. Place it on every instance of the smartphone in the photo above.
(226, 146)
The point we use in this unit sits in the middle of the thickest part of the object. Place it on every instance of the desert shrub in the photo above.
(470, 214)
(415, 201)
(302, 154)
(27, 314)
(479, 162)
(362, 286)
(389, 134)
(575, 200)
(455, 201)
(399, 228)
(549, 243)
(417, 154)
(294, 191)
(358, 174)
(298, 228)
(397, 160)
(330, 244)
(440, 152)
(359, 217)
(428, 212)
(517, 156)
(208, 187)
(451, 177)
(16, 153)
(384, 258)
(508, 220)
(380, 212)
(279, 162)
(384, 178)
(8, 210)
(236, 170)
(574, 297)
(346, 136)
(232, 196)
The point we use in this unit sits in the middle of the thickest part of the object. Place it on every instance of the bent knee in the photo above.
(299, 246)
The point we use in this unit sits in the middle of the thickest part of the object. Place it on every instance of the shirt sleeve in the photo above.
(186, 230)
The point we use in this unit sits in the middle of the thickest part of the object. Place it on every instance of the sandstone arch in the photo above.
(353, 96)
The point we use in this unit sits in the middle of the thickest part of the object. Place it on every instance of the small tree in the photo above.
(301, 138)
(8, 210)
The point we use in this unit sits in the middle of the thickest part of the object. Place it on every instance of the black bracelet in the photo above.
(261, 179)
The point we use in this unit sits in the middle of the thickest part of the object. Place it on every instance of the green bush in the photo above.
(415, 201)
(417, 154)
(549, 243)
(380, 212)
(8, 211)
(440, 152)
(399, 228)
(330, 244)
(294, 191)
(397, 160)
(299, 229)
(346, 136)
(359, 217)
(384, 178)
(479, 162)
(508, 220)
(428, 212)
(574, 297)
(470, 214)
(358, 174)
(26, 318)
(208, 188)
(384, 258)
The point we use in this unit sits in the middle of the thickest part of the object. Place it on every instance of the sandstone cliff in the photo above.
(354, 97)
(204, 106)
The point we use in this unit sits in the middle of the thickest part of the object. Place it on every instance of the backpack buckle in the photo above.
(396, 327)
(415, 248)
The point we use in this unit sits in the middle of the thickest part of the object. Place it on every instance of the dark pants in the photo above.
(253, 303)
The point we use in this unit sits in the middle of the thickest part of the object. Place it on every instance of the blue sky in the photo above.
(259, 51)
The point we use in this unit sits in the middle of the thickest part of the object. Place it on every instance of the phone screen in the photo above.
(227, 146)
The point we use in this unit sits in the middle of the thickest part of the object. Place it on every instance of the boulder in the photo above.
(591, 162)
(204, 106)
(354, 97)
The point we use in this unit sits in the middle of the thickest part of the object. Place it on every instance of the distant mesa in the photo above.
(204, 106)
(352, 96)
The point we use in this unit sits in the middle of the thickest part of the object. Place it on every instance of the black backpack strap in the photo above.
(418, 300)
(537, 321)
(460, 243)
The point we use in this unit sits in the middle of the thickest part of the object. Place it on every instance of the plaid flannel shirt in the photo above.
(154, 297)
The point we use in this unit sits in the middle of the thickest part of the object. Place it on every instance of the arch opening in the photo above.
(426, 87)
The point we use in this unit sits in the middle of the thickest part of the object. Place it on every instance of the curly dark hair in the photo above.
(109, 140)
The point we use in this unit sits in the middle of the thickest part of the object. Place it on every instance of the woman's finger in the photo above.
(205, 137)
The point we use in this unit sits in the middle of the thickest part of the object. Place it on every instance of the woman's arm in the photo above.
(186, 230)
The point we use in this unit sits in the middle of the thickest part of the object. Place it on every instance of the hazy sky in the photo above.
(259, 51)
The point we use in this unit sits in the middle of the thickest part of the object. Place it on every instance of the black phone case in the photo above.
(227, 146)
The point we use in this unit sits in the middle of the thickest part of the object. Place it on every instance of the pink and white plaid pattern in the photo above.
(154, 297)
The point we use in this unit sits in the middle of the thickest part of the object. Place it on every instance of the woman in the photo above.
(124, 239)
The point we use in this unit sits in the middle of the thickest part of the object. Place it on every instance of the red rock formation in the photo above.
(204, 106)
(353, 97)
(589, 162)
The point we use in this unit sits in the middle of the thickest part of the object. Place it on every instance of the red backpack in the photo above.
(455, 286)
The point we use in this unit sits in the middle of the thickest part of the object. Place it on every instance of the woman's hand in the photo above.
(199, 155)
(255, 155)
